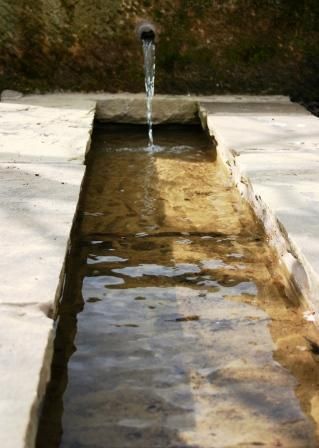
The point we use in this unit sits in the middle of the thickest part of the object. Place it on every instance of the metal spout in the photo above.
(146, 31)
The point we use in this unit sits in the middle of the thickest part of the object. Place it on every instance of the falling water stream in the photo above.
(149, 70)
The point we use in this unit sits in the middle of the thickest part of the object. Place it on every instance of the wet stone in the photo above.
(193, 339)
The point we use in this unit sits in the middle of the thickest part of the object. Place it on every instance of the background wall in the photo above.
(205, 46)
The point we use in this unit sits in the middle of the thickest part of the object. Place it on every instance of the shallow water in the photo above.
(175, 321)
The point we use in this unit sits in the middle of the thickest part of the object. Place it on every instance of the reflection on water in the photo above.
(186, 337)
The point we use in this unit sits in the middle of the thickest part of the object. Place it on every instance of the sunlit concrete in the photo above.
(272, 151)
(26, 336)
(37, 206)
(269, 145)
(44, 134)
(42, 150)
(131, 107)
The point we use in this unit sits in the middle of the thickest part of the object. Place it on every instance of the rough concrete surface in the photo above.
(25, 353)
(131, 107)
(269, 144)
(42, 150)
(119, 108)
(38, 203)
(272, 153)
(56, 134)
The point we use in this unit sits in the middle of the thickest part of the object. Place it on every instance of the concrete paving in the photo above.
(37, 205)
(130, 107)
(26, 336)
(42, 150)
(269, 145)
(272, 151)
(119, 108)
(57, 134)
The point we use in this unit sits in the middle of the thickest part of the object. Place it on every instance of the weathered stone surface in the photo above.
(251, 106)
(10, 95)
(42, 134)
(25, 357)
(274, 160)
(121, 108)
(132, 109)
(203, 46)
(37, 207)
(84, 102)
(38, 199)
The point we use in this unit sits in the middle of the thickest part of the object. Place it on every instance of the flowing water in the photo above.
(175, 329)
(149, 70)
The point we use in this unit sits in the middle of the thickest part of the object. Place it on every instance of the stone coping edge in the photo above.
(302, 278)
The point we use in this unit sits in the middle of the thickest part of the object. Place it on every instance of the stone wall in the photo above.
(204, 46)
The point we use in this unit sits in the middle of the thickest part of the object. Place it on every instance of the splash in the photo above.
(149, 70)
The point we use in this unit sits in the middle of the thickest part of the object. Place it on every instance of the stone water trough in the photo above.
(269, 145)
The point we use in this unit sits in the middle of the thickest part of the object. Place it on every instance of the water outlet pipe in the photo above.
(146, 31)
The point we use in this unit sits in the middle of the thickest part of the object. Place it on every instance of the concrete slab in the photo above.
(277, 132)
(42, 150)
(25, 357)
(131, 107)
(44, 134)
(273, 155)
(250, 106)
(76, 100)
(37, 207)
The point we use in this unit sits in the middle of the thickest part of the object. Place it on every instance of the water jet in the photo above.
(146, 32)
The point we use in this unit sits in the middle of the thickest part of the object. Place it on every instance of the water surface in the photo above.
(175, 321)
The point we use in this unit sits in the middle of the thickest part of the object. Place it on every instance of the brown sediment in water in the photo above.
(188, 335)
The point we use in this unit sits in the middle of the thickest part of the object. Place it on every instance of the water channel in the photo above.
(175, 329)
